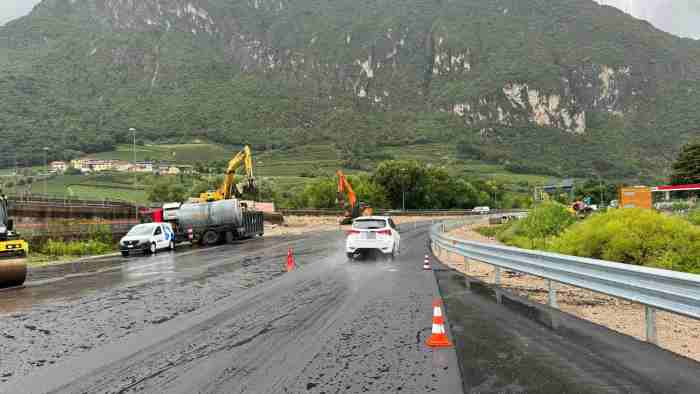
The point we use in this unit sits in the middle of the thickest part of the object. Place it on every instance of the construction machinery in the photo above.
(13, 250)
(229, 188)
(212, 222)
(352, 207)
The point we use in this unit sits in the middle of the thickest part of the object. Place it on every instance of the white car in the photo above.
(481, 210)
(148, 238)
(373, 233)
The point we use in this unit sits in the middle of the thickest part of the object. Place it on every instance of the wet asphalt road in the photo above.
(229, 320)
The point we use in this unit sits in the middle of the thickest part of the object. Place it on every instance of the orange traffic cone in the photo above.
(290, 260)
(439, 337)
(426, 263)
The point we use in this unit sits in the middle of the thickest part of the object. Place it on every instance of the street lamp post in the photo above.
(46, 169)
(403, 189)
(133, 167)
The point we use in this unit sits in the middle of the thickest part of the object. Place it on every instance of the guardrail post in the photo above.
(650, 313)
(552, 294)
(497, 281)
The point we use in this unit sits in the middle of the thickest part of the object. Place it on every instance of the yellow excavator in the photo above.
(13, 250)
(352, 208)
(229, 188)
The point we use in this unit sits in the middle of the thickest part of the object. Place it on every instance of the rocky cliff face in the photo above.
(500, 63)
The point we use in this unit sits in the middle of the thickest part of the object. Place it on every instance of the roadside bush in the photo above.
(542, 224)
(490, 231)
(635, 236)
(694, 217)
(75, 248)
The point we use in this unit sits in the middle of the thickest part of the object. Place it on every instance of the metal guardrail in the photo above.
(58, 201)
(390, 212)
(654, 288)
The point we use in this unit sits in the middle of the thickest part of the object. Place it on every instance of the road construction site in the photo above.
(231, 319)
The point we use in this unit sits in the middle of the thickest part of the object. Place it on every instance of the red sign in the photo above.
(674, 188)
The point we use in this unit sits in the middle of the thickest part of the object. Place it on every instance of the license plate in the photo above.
(370, 235)
(131, 246)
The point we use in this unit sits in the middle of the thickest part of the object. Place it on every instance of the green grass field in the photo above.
(180, 153)
(107, 186)
(284, 167)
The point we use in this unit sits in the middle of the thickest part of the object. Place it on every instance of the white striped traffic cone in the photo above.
(426, 263)
(439, 338)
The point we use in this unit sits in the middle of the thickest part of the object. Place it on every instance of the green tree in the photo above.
(686, 169)
(322, 193)
(369, 191)
(402, 176)
(267, 190)
(165, 190)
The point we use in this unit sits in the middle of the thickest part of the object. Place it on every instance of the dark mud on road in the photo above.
(40, 325)
(240, 325)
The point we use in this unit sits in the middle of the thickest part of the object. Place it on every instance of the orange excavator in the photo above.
(352, 207)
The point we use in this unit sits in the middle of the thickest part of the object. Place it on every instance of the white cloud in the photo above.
(13, 9)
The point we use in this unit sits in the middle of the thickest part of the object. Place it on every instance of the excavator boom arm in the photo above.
(344, 188)
(243, 158)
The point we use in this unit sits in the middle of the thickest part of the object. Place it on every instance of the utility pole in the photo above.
(46, 169)
(133, 168)
(403, 189)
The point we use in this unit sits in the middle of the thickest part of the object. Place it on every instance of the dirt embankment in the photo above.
(676, 333)
(305, 224)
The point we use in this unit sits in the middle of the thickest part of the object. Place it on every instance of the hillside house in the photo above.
(58, 167)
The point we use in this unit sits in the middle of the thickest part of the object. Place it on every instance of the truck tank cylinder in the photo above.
(215, 213)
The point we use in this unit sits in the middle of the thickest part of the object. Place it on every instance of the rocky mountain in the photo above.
(561, 86)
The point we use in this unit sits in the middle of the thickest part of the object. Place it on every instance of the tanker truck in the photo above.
(13, 250)
(209, 223)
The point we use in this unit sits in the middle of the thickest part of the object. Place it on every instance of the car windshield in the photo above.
(369, 224)
(141, 230)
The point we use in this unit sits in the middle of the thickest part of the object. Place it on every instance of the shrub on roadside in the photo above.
(694, 217)
(75, 248)
(490, 231)
(542, 224)
(634, 236)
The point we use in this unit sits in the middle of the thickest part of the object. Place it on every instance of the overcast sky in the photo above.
(11, 9)
(679, 17)
(675, 16)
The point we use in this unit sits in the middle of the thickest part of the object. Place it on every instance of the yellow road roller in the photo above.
(13, 250)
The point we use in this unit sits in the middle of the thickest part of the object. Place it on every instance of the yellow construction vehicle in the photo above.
(352, 208)
(13, 250)
(229, 188)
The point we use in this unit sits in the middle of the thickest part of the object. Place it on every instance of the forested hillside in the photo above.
(565, 87)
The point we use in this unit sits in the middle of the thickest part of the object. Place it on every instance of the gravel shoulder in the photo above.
(676, 333)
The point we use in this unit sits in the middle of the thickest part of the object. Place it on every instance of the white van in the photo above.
(148, 238)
